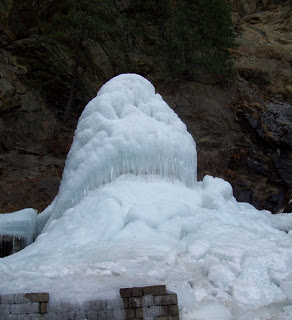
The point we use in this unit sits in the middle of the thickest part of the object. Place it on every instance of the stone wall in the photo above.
(36, 306)
(138, 303)
(23, 306)
(88, 310)
(150, 303)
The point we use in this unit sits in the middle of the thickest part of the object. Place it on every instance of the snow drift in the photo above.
(130, 212)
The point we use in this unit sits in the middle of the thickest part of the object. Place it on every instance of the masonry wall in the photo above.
(36, 306)
(150, 303)
(23, 306)
(138, 303)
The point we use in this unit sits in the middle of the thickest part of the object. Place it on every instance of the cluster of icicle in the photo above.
(19, 225)
(126, 129)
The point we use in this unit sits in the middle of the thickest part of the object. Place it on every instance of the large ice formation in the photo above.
(127, 128)
(130, 212)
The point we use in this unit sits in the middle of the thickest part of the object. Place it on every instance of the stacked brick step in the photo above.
(149, 303)
(23, 306)
(35, 306)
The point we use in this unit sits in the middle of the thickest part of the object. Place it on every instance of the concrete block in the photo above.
(140, 302)
(139, 313)
(91, 315)
(80, 316)
(90, 305)
(126, 292)
(94, 305)
(23, 317)
(11, 317)
(105, 315)
(130, 314)
(126, 303)
(114, 304)
(67, 306)
(68, 315)
(14, 298)
(155, 311)
(46, 316)
(147, 301)
(53, 316)
(164, 300)
(110, 314)
(4, 309)
(119, 314)
(28, 308)
(137, 292)
(160, 310)
(33, 317)
(136, 302)
(39, 297)
(38, 317)
(155, 290)
(173, 310)
(43, 307)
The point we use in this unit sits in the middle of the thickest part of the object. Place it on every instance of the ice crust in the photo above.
(20, 224)
(126, 128)
(226, 260)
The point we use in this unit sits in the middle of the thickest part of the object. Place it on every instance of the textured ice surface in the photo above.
(21, 224)
(144, 230)
(126, 128)
(151, 223)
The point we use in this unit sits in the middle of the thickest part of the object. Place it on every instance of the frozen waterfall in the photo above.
(130, 212)
(126, 128)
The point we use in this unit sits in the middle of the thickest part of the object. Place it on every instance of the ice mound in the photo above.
(226, 260)
(127, 216)
(127, 128)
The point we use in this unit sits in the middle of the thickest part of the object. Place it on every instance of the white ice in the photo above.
(127, 128)
(20, 224)
(122, 220)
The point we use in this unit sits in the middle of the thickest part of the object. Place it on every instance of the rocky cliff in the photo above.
(242, 130)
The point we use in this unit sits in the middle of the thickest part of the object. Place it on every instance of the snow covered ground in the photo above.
(130, 213)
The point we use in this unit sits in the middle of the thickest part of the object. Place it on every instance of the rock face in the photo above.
(243, 131)
(17, 17)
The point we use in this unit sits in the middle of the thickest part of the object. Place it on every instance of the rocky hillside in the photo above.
(243, 129)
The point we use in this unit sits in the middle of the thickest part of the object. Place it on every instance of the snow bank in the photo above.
(152, 222)
(226, 257)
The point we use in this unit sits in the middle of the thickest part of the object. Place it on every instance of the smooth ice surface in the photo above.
(126, 128)
(21, 224)
(224, 259)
